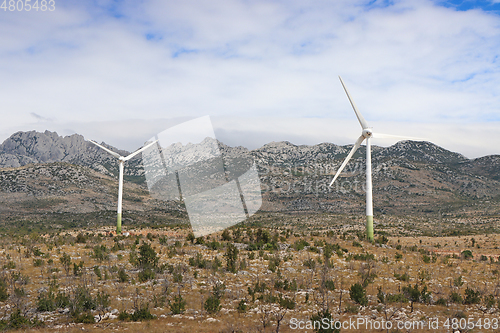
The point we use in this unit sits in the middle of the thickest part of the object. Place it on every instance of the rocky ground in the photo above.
(280, 274)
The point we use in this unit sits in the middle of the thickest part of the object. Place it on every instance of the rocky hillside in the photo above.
(23, 148)
(409, 177)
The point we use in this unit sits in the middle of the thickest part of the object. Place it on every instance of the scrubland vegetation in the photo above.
(249, 278)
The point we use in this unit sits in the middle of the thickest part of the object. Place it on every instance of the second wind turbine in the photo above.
(121, 161)
(366, 134)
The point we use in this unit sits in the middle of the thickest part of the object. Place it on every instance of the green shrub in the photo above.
(231, 258)
(198, 261)
(404, 277)
(178, 305)
(146, 274)
(122, 275)
(117, 246)
(216, 264)
(100, 252)
(313, 249)
(286, 303)
(456, 298)
(226, 236)
(382, 240)
(457, 282)
(441, 301)
(274, 262)
(214, 245)
(4, 295)
(321, 317)
(77, 269)
(142, 314)
(97, 272)
(330, 285)
(147, 257)
(84, 318)
(396, 298)
(17, 320)
(37, 262)
(472, 296)
(212, 304)
(286, 285)
(467, 254)
(62, 300)
(37, 252)
(364, 256)
(80, 238)
(242, 306)
(9, 265)
(82, 301)
(163, 240)
(46, 302)
(190, 237)
(415, 295)
(299, 245)
(65, 260)
(310, 263)
(358, 294)
(123, 316)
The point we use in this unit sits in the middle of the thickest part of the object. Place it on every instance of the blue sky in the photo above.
(465, 5)
(121, 71)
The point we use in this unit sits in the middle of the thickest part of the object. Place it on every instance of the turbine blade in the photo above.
(353, 150)
(390, 136)
(139, 150)
(106, 149)
(361, 120)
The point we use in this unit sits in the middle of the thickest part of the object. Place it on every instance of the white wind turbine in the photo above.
(121, 161)
(367, 134)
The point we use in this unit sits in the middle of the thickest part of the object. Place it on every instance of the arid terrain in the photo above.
(255, 277)
(302, 260)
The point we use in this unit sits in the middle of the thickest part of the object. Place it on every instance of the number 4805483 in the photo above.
(28, 5)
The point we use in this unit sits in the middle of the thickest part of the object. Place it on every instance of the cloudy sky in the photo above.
(122, 71)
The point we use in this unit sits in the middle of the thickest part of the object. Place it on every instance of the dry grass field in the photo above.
(251, 279)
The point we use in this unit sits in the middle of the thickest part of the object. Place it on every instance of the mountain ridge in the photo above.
(23, 148)
(409, 177)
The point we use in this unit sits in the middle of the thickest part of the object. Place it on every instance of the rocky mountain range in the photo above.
(23, 148)
(409, 177)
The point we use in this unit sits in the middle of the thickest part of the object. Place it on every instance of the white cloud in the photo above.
(407, 62)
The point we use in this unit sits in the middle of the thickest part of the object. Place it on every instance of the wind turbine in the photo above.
(366, 134)
(121, 161)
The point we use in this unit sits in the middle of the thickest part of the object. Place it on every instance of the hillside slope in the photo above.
(409, 177)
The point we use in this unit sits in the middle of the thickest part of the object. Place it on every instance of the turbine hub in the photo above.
(367, 133)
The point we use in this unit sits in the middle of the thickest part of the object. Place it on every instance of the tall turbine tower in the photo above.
(366, 134)
(121, 161)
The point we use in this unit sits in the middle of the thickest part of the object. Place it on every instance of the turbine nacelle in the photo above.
(367, 133)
